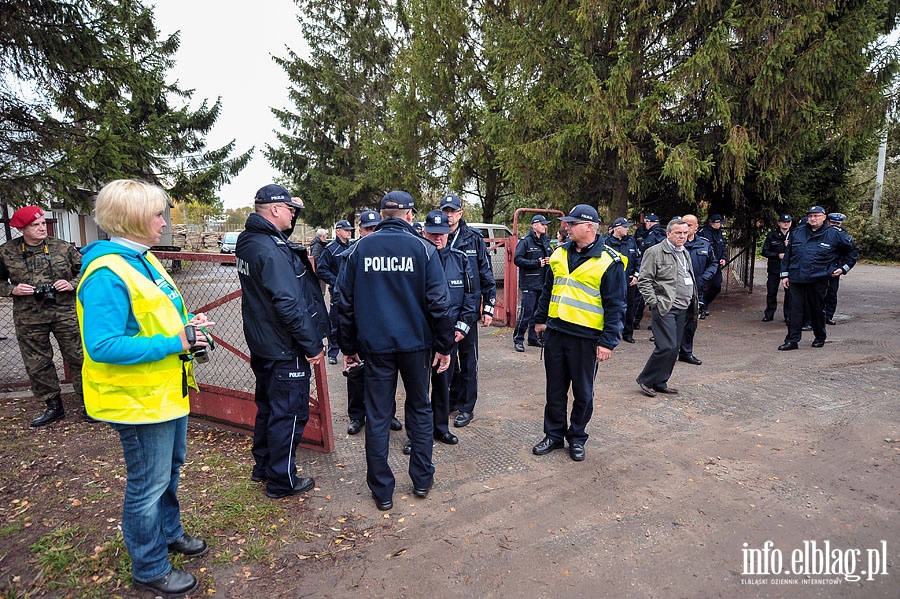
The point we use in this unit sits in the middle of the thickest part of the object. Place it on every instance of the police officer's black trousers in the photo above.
(356, 396)
(381, 387)
(808, 297)
(834, 283)
(668, 331)
(440, 395)
(525, 322)
(569, 361)
(464, 387)
(282, 411)
(713, 287)
(333, 348)
(773, 282)
(631, 303)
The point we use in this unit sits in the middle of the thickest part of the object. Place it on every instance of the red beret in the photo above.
(25, 216)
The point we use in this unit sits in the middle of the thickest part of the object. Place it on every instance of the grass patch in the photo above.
(67, 566)
(7, 530)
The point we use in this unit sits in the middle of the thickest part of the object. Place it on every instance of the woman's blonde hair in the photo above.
(126, 207)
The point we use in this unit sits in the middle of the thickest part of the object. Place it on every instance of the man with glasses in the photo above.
(815, 253)
(669, 287)
(580, 313)
(284, 323)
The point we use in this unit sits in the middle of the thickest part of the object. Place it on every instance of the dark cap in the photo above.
(837, 217)
(582, 212)
(622, 222)
(25, 216)
(418, 227)
(650, 217)
(274, 194)
(451, 200)
(716, 218)
(785, 218)
(397, 200)
(540, 219)
(369, 218)
(343, 224)
(436, 222)
(816, 209)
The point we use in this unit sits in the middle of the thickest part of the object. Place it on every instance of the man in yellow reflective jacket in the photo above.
(580, 314)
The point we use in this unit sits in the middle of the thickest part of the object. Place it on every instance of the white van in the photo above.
(498, 258)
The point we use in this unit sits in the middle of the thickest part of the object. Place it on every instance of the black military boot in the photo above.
(53, 413)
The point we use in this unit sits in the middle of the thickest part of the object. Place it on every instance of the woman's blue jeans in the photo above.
(151, 516)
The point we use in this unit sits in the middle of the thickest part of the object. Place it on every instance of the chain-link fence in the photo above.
(209, 283)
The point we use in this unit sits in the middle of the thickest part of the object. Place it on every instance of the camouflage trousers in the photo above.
(37, 354)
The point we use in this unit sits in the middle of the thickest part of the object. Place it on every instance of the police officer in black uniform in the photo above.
(773, 249)
(464, 388)
(619, 240)
(356, 382)
(815, 253)
(705, 264)
(532, 257)
(285, 321)
(836, 221)
(394, 312)
(646, 238)
(712, 232)
(464, 304)
(327, 270)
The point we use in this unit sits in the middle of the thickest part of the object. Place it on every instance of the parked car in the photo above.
(226, 246)
(498, 257)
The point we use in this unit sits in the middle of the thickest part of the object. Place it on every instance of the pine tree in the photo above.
(84, 100)
(340, 102)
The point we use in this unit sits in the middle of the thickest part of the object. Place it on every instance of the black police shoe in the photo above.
(768, 318)
(189, 546)
(627, 338)
(519, 347)
(396, 425)
(448, 438)
(354, 427)
(576, 452)
(463, 419)
(818, 343)
(407, 449)
(546, 446)
(787, 346)
(383, 505)
(332, 360)
(422, 492)
(303, 485)
(176, 583)
(690, 359)
(830, 321)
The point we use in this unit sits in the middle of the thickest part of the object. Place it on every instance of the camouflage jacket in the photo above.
(51, 262)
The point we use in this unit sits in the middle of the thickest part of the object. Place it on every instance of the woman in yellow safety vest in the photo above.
(138, 341)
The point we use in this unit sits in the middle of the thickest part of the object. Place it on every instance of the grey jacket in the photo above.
(656, 281)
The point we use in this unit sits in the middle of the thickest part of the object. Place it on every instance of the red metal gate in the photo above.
(209, 283)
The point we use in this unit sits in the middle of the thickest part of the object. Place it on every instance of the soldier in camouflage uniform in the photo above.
(41, 273)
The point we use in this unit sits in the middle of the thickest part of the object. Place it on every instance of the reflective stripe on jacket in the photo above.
(138, 393)
(576, 296)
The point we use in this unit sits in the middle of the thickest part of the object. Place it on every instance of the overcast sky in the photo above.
(226, 50)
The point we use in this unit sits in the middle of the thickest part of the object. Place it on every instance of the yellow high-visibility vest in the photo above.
(576, 295)
(138, 393)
